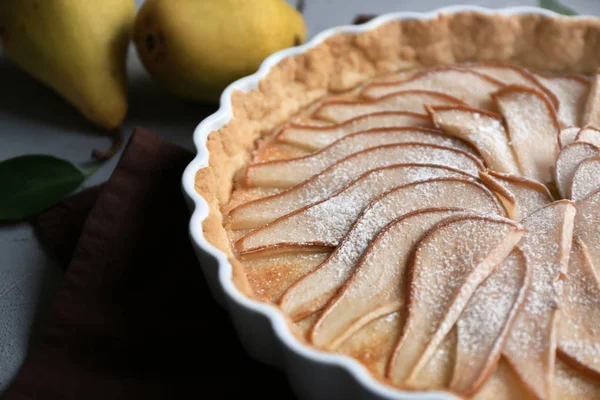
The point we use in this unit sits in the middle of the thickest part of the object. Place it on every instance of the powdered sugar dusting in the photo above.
(567, 136)
(586, 178)
(568, 160)
(579, 332)
(447, 267)
(571, 384)
(294, 171)
(341, 174)
(529, 198)
(587, 226)
(532, 132)
(589, 135)
(484, 322)
(547, 240)
(486, 133)
(336, 270)
(572, 95)
(506, 74)
(314, 139)
(471, 88)
(401, 101)
(379, 279)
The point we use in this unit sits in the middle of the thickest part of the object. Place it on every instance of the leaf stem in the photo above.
(92, 171)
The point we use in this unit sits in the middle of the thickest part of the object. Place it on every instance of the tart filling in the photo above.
(432, 216)
(411, 226)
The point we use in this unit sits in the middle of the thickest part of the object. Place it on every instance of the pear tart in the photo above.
(437, 220)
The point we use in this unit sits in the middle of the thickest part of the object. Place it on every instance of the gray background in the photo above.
(35, 120)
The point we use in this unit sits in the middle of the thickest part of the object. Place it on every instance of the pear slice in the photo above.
(567, 136)
(531, 345)
(312, 292)
(373, 344)
(532, 128)
(503, 384)
(526, 195)
(287, 173)
(342, 209)
(341, 173)
(572, 93)
(567, 162)
(589, 134)
(446, 267)
(322, 225)
(437, 373)
(586, 226)
(484, 130)
(570, 384)
(591, 115)
(586, 178)
(377, 285)
(483, 326)
(578, 335)
(338, 111)
(470, 87)
(316, 137)
(513, 75)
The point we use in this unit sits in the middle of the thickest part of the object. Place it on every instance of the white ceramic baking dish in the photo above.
(262, 329)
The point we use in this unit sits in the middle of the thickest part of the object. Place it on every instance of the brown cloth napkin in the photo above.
(134, 318)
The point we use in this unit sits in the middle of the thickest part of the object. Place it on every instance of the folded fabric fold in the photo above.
(134, 317)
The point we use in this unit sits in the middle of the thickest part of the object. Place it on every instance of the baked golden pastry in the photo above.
(425, 198)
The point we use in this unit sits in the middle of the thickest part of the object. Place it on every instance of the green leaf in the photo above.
(555, 6)
(31, 183)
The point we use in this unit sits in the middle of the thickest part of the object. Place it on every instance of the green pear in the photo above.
(76, 47)
(196, 48)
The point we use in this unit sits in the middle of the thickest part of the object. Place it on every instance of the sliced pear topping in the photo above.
(483, 326)
(447, 266)
(504, 384)
(532, 128)
(505, 73)
(323, 224)
(437, 373)
(570, 384)
(531, 345)
(337, 111)
(526, 197)
(341, 173)
(586, 226)
(484, 130)
(312, 292)
(567, 136)
(513, 75)
(589, 134)
(586, 178)
(377, 284)
(578, 335)
(317, 137)
(472, 88)
(567, 162)
(287, 173)
(591, 115)
(373, 344)
(572, 93)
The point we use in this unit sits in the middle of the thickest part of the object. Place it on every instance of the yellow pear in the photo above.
(195, 48)
(76, 47)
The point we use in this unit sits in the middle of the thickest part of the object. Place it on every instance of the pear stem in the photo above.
(117, 143)
(300, 6)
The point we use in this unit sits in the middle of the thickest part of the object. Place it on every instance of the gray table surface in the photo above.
(34, 120)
